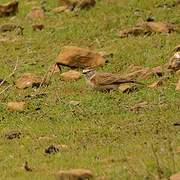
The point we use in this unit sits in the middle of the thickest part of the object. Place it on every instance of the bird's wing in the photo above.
(108, 79)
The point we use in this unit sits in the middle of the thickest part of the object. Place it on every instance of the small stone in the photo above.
(9, 9)
(10, 27)
(74, 174)
(52, 149)
(86, 4)
(175, 176)
(70, 75)
(74, 103)
(147, 28)
(159, 27)
(73, 56)
(13, 135)
(16, 106)
(28, 80)
(37, 27)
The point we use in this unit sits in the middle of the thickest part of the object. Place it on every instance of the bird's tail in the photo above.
(137, 82)
(132, 81)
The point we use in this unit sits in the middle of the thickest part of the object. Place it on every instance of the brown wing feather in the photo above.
(108, 78)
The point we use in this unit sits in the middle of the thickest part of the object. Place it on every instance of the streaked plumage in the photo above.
(105, 81)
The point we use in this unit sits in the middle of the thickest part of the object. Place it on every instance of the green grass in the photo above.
(102, 127)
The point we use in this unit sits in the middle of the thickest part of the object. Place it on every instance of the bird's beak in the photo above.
(84, 71)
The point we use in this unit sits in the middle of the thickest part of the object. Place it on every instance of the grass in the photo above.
(102, 134)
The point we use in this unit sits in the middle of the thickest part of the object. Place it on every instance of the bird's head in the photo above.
(89, 72)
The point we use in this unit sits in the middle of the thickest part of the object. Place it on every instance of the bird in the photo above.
(105, 81)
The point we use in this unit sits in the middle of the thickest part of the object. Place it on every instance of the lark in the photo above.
(105, 81)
